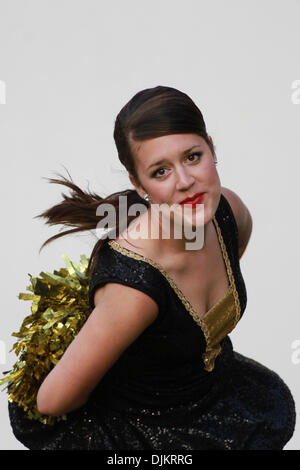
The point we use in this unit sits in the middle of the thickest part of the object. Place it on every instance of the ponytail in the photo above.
(78, 210)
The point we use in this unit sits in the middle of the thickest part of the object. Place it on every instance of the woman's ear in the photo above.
(213, 146)
(211, 141)
(138, 188)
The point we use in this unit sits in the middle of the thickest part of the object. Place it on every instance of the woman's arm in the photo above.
(120, 315)
(242, 216)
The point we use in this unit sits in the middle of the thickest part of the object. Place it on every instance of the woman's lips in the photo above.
(197, 200)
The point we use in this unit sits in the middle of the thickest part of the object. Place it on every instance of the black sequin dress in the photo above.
(180, 385)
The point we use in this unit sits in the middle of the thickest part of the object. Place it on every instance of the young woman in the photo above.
(153, 366)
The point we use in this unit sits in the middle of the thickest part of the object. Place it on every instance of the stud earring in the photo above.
(147, 197)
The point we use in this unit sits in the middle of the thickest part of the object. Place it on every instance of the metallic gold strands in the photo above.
(58, 311)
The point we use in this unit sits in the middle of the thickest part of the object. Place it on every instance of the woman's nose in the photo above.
(184, 179)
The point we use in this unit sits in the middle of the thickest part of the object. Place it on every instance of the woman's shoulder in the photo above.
(238, 207)
(151, 253)
(241, 214)
(116, 264)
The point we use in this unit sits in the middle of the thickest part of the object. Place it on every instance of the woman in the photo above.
(153, 366)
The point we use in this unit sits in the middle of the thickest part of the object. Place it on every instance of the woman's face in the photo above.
(174, 167)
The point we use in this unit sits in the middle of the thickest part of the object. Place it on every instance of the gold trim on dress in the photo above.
(220, 319)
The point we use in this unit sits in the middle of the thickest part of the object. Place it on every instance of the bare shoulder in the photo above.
(238, 207)
(242, 216)
(135, 303)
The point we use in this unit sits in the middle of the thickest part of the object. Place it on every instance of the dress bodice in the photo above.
(179, 349)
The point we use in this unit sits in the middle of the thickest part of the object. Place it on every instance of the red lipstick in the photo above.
(196, 199)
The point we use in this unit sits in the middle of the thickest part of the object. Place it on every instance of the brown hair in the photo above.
(153, 112)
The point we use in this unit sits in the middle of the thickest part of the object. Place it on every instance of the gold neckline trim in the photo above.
(132, 254)
(212, 349)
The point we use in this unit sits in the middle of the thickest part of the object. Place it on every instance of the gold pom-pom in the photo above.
(60, 307)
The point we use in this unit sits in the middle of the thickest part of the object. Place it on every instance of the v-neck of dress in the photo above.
(132, 254)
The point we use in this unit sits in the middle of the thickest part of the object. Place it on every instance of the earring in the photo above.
(147, 197)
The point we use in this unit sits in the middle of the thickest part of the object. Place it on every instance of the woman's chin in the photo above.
(192, 216)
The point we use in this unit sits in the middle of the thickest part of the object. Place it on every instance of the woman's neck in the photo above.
(163, 242)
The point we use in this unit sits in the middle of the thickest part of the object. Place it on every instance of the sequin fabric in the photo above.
(159, 395)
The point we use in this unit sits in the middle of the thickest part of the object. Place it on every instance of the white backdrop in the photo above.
(66, 69)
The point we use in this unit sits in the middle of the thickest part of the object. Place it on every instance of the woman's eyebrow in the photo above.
(163, 160)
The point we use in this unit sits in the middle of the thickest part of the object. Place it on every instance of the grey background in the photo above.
(69, 66)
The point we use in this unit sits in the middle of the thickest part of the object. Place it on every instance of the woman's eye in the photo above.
(156, 173)
(196, 153)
